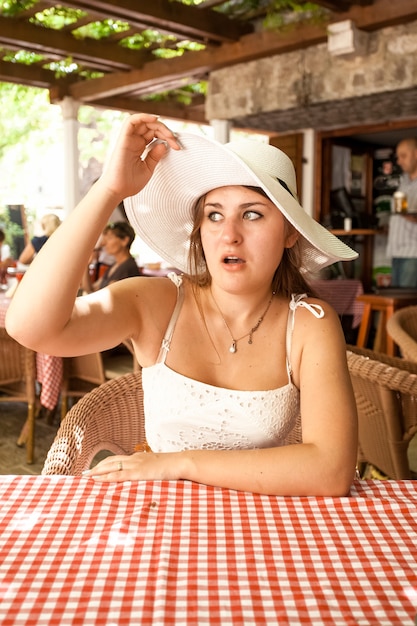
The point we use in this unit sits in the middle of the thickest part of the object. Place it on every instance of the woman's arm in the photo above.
(324, 464)
(27, 255)
(44, 313)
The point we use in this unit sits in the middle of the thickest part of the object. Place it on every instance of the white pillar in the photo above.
(221, 130)
(307, 199)
(69, 108)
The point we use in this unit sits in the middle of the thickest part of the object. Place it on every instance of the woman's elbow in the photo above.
(338, 481)
(14, 328)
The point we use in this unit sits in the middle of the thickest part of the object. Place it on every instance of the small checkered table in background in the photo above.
(49, 369)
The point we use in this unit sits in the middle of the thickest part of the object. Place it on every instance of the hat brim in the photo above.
(162, 213)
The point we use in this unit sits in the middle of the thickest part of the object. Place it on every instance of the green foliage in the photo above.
(11, 230)
(21, 113)
(146, 39)
(57, 17)
(278, 13)
(21, 56)
(63, 67)
(286, 12)
(100, 30)
(11, 8)
(31, 130)
(180, 48)
(184, 95)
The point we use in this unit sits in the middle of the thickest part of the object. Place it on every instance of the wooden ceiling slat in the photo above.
(29, 75)
(339, 6)
(170, 17)
(46, 41)
(172, 110)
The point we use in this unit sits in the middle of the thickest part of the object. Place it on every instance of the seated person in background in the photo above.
(116, 239)
(100, 259)
(5, 257)
(5, 254)
(49, 223)
(244, 372)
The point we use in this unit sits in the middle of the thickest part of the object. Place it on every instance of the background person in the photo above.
(402, 233)
(245, 377)
(116, 240)
(5, 257)
(49, 224)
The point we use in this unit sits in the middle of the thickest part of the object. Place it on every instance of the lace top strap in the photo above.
(297, 300)
(166, 341)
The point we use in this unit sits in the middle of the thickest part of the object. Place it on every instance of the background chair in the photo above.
(386, 396)
(402, 327)
(109, 418)
(84, 373)
(18, 384)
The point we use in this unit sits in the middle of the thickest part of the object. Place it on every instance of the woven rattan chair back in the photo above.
(386, 397)
(84, 373)
(108, 418)
(81, 375)
(18, 384)
(402, 327)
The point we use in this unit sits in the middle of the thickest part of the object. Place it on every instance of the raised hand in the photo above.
(143, 141)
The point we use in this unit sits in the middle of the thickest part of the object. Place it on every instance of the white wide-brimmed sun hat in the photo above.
(162, 213)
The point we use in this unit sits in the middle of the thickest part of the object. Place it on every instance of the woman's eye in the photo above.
(252, 215)
(214, 216)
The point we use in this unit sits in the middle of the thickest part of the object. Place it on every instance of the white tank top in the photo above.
(184, 414)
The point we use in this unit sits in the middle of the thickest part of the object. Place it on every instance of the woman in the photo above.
(116, 240)
(49, 224)
(231, 351)
(5, 257)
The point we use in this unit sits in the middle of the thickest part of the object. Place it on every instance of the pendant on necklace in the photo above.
(233, 347)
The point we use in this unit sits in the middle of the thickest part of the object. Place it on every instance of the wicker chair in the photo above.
(18, 384)
(386, 396)
(84, 373)
(108, 418)
(402, 327)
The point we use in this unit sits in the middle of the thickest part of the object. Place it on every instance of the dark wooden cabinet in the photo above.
(356, 181)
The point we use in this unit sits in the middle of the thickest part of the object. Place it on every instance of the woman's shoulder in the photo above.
(312, 309)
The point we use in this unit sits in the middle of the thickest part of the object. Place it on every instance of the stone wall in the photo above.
(313, 88)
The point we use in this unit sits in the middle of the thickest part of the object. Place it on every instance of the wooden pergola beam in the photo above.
(171, 17)
(61, 44)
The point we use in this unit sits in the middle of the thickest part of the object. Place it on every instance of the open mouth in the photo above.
(230, 260)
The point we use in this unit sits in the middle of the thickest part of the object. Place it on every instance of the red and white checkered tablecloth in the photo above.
(49, 369)
(49, 372)
(177, 553)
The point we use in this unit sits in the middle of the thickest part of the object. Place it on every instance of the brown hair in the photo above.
(287, 279)
(122, 230)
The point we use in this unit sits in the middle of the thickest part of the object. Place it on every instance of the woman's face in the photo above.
(114, 244)
(243, 235)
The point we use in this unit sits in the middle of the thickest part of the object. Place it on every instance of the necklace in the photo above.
(233, 345)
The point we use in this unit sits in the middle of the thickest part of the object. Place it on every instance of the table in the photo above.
(341, 294)
(177, 553)
(49, 369)
(385, 304)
